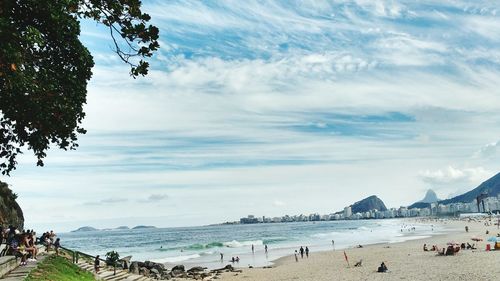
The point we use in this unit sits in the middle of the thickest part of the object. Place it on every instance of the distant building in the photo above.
(249, 219)
(347, 212)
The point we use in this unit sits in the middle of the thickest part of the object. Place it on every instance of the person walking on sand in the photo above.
(307, 252)
(296, 256)
(253, 249)
(221, 257)
(301, 250)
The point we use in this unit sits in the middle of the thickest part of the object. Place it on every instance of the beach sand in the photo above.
(405, 261)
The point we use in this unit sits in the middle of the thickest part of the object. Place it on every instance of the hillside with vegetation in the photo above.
(490, 187)
(10, 211)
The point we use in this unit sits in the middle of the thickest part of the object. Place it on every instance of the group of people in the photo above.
(47, 239)
(19, 243)
(301, 251)
(451, 249)
(23, 244)
(237, 259)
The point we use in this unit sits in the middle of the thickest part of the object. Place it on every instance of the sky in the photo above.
(278, 107)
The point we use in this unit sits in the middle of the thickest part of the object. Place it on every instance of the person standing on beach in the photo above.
(307, 252)
(466, 229)
(253, 249)
(221, 257)
(265, 248)
(296, 256)
(301, 250)
(333, 244)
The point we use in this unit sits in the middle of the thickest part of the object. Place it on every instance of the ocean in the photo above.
(203, 245)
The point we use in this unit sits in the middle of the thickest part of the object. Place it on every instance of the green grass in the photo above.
(58, 268)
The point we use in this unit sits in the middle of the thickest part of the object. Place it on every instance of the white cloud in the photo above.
(106, 201)
(488, 151)
(242, 103)
(278, 203)
(154, 198)
(452, 175)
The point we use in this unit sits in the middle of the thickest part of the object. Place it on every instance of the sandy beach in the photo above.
(405, 260)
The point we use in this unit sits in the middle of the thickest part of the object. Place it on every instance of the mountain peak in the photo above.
(430, 197)
(368, 204)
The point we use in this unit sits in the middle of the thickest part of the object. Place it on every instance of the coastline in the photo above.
(405, 260)
(386, 232)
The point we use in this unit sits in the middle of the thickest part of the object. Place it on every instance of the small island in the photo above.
(143, 227)
(85, 229)
(122, 228)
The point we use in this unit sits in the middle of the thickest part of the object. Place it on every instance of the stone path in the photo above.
(107, 274)
(21, 272)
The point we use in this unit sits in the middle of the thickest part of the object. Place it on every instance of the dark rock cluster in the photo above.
(160, 272)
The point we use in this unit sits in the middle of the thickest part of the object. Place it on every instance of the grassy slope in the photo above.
(58, 268)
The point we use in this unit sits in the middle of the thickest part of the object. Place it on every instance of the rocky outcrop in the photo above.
(10, 211)
(368, 204)
(160, 272)
(430, 197)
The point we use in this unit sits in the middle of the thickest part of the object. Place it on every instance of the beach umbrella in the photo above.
(494, 239)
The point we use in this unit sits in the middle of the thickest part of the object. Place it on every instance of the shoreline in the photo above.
(261, 260)
(405, 260)
(282, 260)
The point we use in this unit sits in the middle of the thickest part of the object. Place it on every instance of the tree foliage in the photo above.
(112, 259)
(45, 68)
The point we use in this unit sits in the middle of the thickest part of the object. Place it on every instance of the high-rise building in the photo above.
(347, 212)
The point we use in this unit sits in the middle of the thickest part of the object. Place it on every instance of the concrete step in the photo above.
(119, 276)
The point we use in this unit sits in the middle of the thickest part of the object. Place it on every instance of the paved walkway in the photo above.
(21, 272)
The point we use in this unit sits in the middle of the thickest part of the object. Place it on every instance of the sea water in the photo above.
(203, 245)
